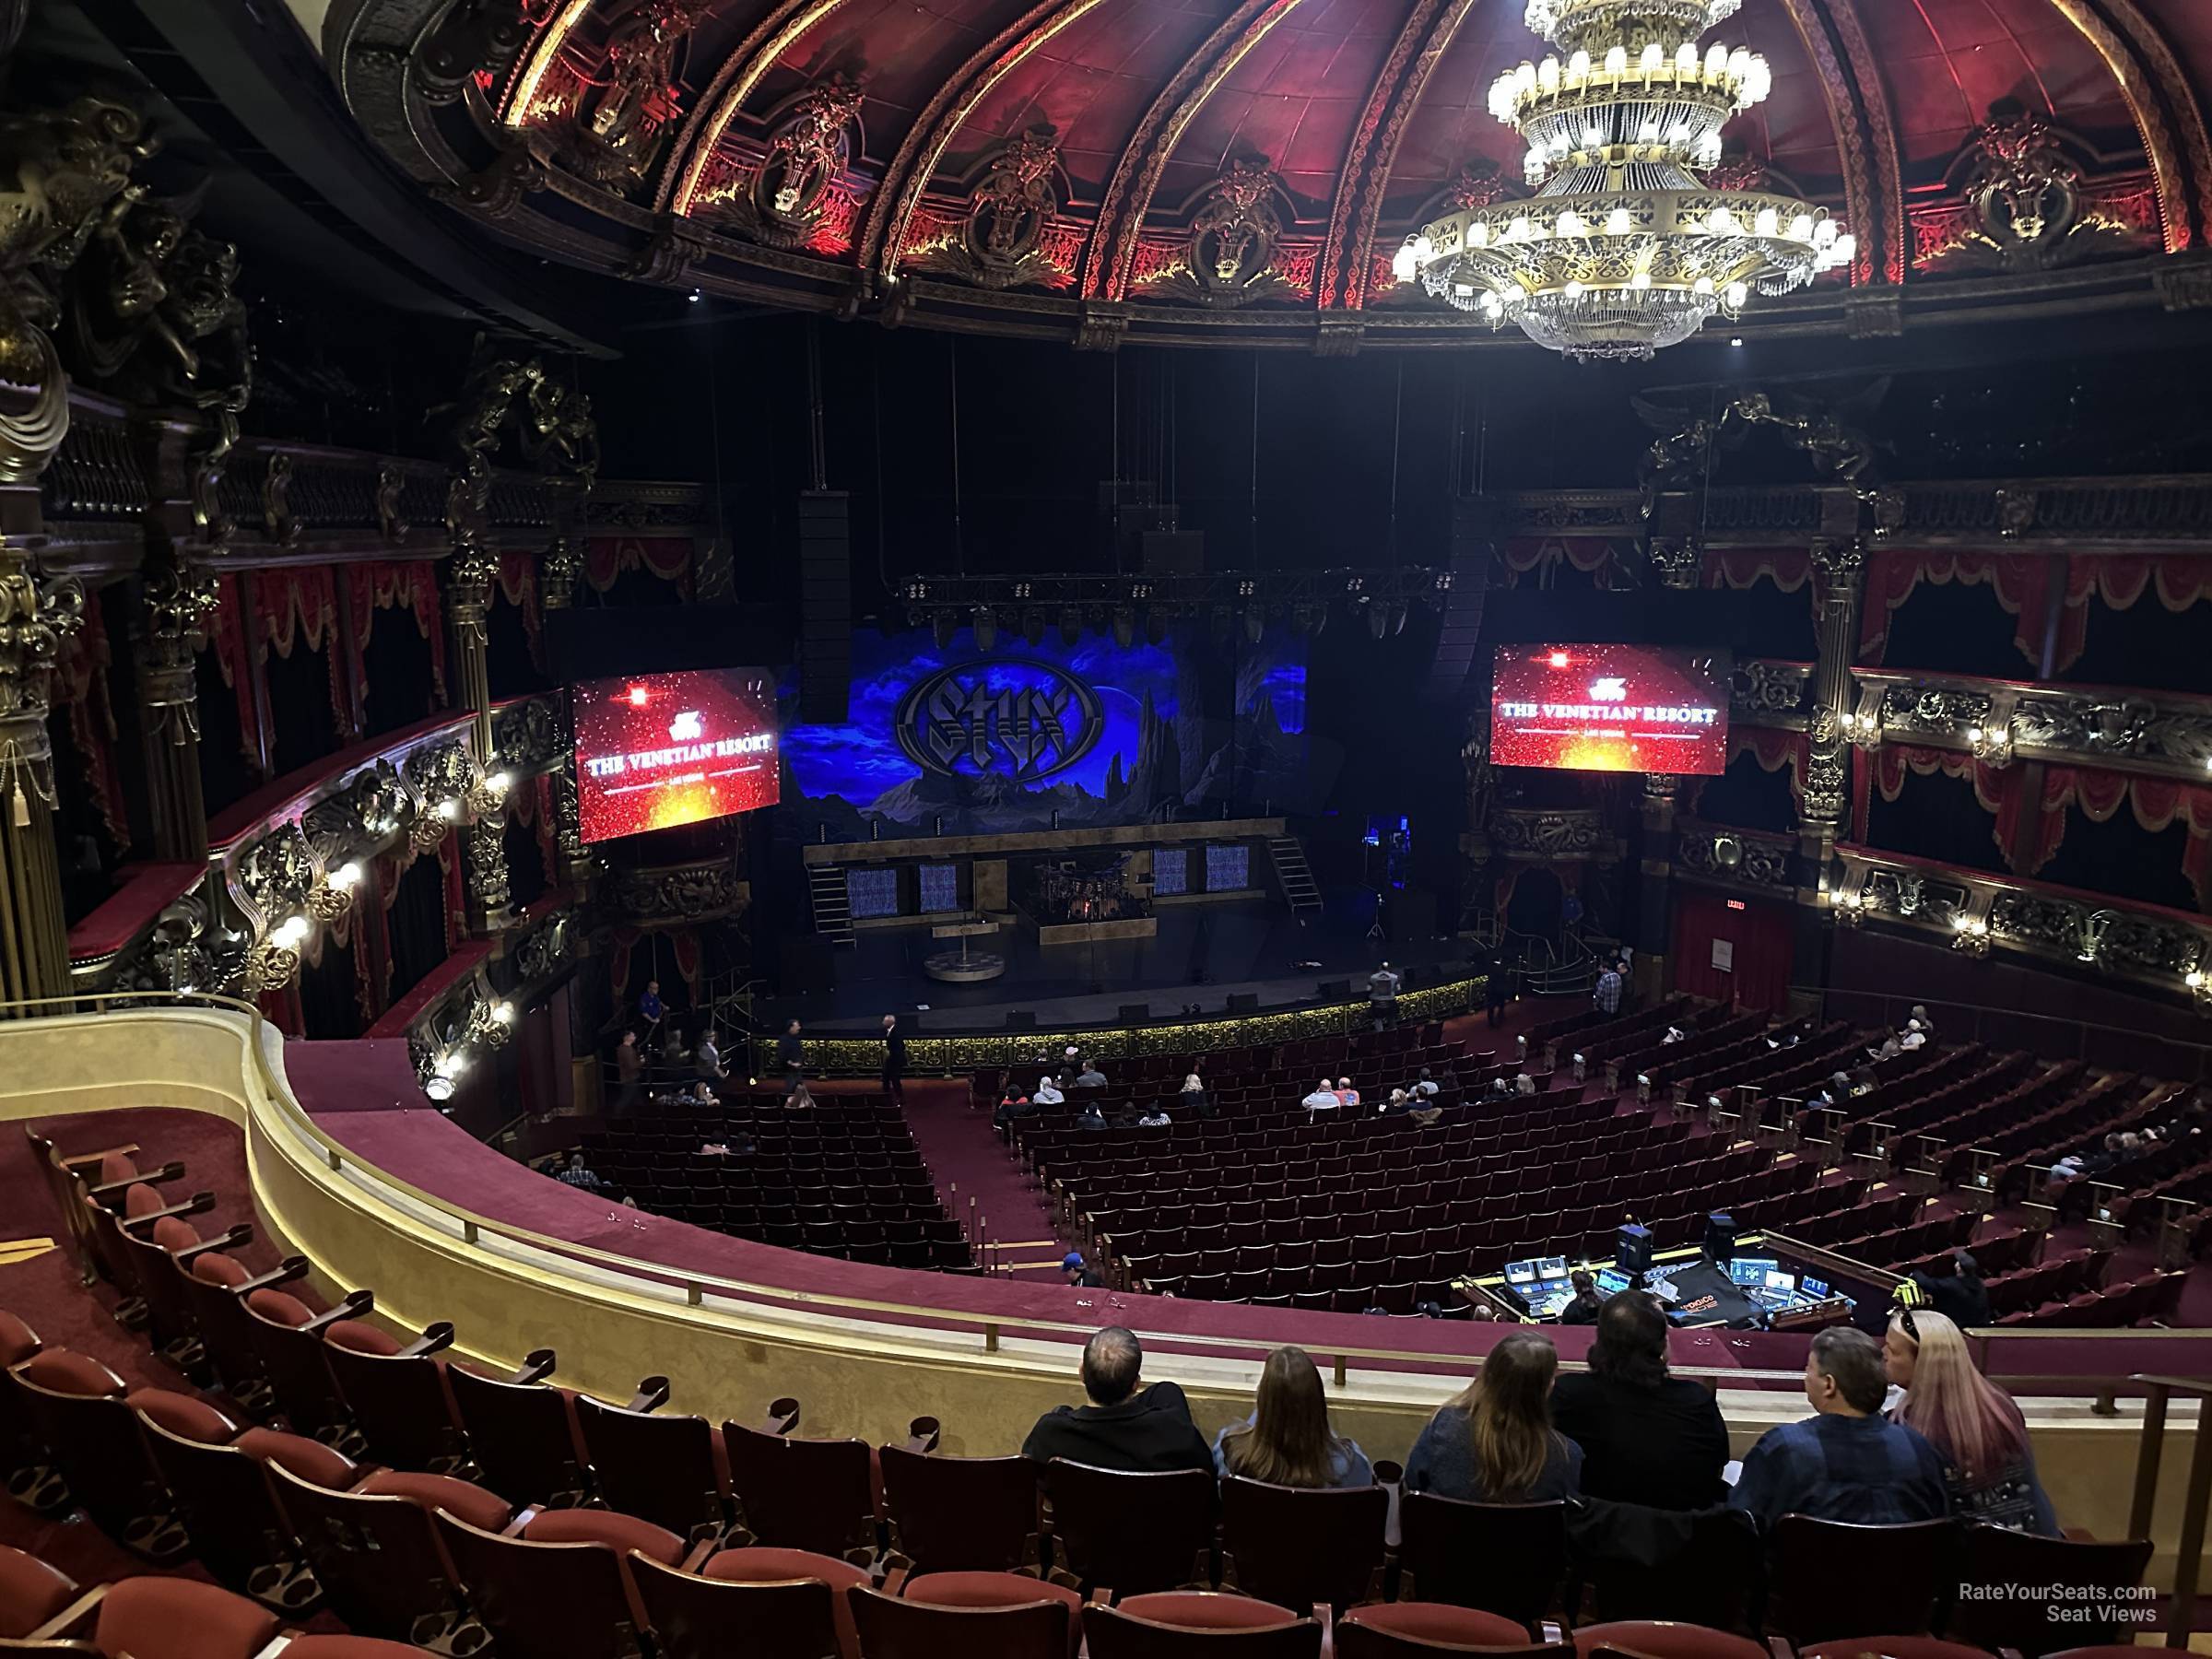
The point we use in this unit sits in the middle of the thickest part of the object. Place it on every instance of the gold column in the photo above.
(36, 615)
(558, 571)
(179, 599)
(1839, 570)
(469, 574)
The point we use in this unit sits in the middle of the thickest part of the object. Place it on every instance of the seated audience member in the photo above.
(2069, 1167)
(1090, 1118)
(1891, 1048)
(1495, 1443)
(1523, 1084)
(569, 1167)
(1973, 1424)
(1048, 1092)
(1078, 1273)
(1913, 1037)
(1674, 1034)
(1427, 1086)
(800, 1099)
(1953, 1287)
(1192, 1085)
(1157, 1118)
(1583, 1308)
(1864, 1081)
(1646, 1437)
(1844, 1463)
(1345, 1094)
(1011, 1105)
(1287, 1441)
(1920, 1016)
(1396, 1105)
(1124, 1428)
(1322, 1099)
(1090, 1077)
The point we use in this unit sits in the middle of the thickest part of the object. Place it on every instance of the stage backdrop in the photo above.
(995, 741)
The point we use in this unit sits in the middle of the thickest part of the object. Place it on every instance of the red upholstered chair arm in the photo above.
(237, 1237)
(199, 1204)
(173, 1170)
(71, 1159)
(433, 1338)
(537, 1366)
(782, 1416)
(921, 1435)
(653, 1394)
(74, 1620)
(284, 1272)
(894, 1582)
(354, 1306)
(1780, 1647)
(698, 1554)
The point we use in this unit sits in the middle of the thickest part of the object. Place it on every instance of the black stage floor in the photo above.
(1249, 945)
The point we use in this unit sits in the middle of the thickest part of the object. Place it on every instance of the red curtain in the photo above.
(1530, 553)
(1999, 790)
(231, 656)
(1788, 569)
(518, 586)
(2157, 803)
(1759, 949)
(299, 604)
(380, 585)
(84, 661)
(1568, 875)
(2121, 580)
(2021, 581)
(667, 557)
(1773, 749)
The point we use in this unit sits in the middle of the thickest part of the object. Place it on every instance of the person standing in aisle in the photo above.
(894, 1059)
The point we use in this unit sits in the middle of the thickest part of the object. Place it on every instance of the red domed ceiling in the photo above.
(1248, 166)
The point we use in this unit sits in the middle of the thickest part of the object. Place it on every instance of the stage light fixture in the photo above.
(1256, 622)
(1032, 625)
(1378, 624)
(944, 624)
(1125, 626)
(1397, 617)
(986, 628)
(1071, 626)
(1157, 620)
(1218, 623)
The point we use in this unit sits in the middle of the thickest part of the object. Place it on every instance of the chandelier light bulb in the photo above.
(1736, 294)
(1616, 60)
(1535, 165)
(1768, 223)
(1801, 228)
(1548, 75)
(1524, 80)
(1402, 265)
(1578, 69)
(1518, 229)
(1703, 285)
(1478, 234)
(1721, 222)
(1739, 65)
(1716, 63)
(1572, 224)
(1618, 222)
(1641, 281)
(1824, 233)
(1574, 290)
(1686, 61)
(1654, 56)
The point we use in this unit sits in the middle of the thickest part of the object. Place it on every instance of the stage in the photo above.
(1200, 953)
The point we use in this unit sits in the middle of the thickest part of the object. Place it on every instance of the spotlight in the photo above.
(944, 624)
(1397, 616)
(1378, 624)
(439, 1088)
(1071, 626)
(1157, 620)
(1256, 622)
(1032, 625)
(1125, 626)
(986, 628)
(347, 877)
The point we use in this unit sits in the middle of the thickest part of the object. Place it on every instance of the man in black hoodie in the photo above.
(1134, 1431)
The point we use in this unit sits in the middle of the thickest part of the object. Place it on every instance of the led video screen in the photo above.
(656, 750)
(1610, 707)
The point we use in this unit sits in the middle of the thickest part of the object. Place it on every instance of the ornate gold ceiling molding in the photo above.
(1858, 109)
(884, 232)
(1112, 255)
(2161, 98)
(753, 57)
(1357, 207)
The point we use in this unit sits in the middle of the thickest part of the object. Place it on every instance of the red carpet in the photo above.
(979, 1180)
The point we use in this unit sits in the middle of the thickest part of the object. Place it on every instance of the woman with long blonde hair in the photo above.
(1973, 1423)
(1495, 1443)
(1287, 1441)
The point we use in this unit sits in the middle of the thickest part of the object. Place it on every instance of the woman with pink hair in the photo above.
(1972, 1424)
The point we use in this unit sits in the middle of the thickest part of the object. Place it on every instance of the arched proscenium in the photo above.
(2165, 106)
(1858, 108)
(694, 149)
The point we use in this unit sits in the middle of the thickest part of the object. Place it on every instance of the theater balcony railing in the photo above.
(296, 855)
(121, 470)
(1743, 861)
(2163, 733)
(2165, 950)
(2147, 513)
(1771, 691)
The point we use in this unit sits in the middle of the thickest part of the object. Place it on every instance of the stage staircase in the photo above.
(832, 909)
(1295, 875)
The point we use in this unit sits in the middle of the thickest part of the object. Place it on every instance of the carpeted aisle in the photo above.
(969, 1162)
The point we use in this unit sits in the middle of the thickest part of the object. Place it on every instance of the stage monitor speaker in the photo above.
(1244, 1002)
(1022, 1019)
(1333, 990)
(1459, 660)
(1136, 1014)
(1719, 1243)
(1632, 1249)
(824, 606)
(1411, 915)
(808, 968)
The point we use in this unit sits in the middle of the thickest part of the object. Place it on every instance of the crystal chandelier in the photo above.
(1623, 250)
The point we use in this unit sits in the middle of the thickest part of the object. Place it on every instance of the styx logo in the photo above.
(1022, 719)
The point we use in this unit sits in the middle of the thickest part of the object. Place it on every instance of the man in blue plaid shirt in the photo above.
(1847, 1463)
(1608, 994)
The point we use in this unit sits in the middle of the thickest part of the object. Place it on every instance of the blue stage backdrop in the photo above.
(995, 741)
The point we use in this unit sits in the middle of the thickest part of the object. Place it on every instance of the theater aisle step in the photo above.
(968, 1161)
